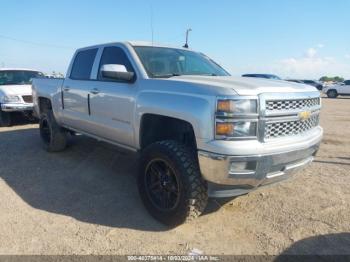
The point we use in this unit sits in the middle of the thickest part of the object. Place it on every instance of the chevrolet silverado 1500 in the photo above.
(200, 132)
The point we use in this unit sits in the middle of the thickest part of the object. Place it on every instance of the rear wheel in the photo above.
(5, 119)
(54, 137)
(170, 183)
(332, 93)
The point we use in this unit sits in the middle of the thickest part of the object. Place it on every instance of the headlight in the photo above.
(239, 106)
(236, 129)
(236, 118)
(11, 99)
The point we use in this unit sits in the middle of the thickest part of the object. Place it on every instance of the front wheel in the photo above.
(332, 94)
(53, 136)
(170, 183)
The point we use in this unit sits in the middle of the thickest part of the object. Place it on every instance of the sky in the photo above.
(290, 38)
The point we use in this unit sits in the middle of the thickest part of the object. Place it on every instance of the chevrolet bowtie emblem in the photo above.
(305, 115)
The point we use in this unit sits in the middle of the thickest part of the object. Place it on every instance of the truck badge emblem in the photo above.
(305, 115)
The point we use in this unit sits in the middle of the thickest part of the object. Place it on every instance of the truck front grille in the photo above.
(28, 99)
(290, 128)
(289, 105)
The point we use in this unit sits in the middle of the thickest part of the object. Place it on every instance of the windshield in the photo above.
(167, 62)
(17, 77)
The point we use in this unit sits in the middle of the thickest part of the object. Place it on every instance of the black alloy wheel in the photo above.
(170, 183)
(162, 186)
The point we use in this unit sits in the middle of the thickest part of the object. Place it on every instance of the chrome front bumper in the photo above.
(285, 142)
(264, 169)
(16, 107)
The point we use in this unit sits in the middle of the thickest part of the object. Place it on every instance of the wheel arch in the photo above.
(156, 127)
(44, 105)
(189, 110)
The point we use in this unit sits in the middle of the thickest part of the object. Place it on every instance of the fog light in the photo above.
(243, 167)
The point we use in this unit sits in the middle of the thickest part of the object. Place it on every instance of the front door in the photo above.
(112, 103)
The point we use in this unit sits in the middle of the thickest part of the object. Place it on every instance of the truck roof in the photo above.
(146, 43)
(17, 69)
(136, 43)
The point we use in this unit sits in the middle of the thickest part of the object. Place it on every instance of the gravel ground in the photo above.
(85, 201)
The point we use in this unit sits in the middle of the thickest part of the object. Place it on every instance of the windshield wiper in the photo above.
(212, 74)
(165, 75)
(177, 74)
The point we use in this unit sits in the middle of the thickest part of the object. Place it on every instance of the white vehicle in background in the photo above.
(15, 93)
(342, 89)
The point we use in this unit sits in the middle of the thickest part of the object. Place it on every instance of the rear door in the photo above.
(76, 90)
(112, 103)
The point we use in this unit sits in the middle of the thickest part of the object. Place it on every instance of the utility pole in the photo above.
(187, 32)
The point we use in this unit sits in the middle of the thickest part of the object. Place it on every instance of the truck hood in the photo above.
(19, 90)
(246, 85)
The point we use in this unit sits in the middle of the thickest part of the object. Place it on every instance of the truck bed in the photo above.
(46, 88)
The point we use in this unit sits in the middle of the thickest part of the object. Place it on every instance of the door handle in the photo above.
(66, 88)
(95, 91)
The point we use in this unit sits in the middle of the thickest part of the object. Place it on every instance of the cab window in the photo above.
(82, 65)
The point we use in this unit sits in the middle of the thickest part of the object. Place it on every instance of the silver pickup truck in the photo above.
(200, 132)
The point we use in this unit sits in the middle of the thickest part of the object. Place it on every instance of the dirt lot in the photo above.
(85, 201)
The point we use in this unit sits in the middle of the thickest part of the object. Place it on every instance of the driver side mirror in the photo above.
(117, 72)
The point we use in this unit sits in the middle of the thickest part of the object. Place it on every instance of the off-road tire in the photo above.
(5, 119)
(193, 195)
(332, 93)
(54, 137)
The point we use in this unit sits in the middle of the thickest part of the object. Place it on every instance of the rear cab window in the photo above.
(82, 65)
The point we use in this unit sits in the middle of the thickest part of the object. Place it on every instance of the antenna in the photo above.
(151, 17)
(187, 32)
